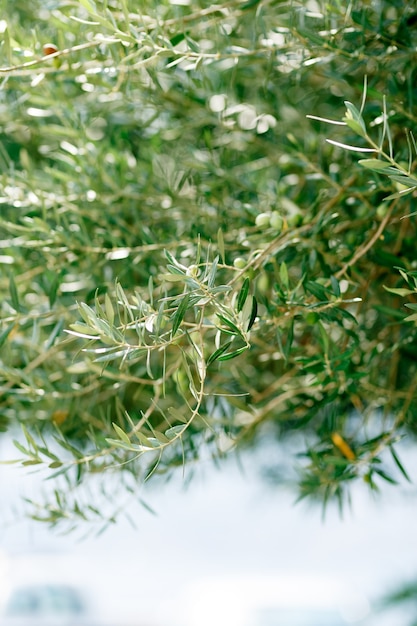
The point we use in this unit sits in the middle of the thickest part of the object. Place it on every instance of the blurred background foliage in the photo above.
(187, 266)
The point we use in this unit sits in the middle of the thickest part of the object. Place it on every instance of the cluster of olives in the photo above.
(273, 219)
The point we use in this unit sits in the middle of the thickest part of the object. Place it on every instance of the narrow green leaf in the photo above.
(54, 334)
(177, 271)
(174, 431)
(254, 313)
(55, 464)
(213, 271)
(289, 340)
(401, 291)
(89, 5)
(143, 440)
(316, 289)
(243, 294)
(407, 181)
(147, 507)
(324, 337)
(5, 333)
(148, 364)
(391, 312)
(355, 126)
(335, 286)
(21, 448)
(399, 464)
(180, 313)
(385, 476)
(53, 289)
(249, 4)
(173, 261)
(14, 295)
(87, 314)
(130, 447)
(229, 323)
(374, 164)
(121, 433)
(232, 355)
(283, 275)
(400, 194)
(77, 454)
(354, 119)
(177, 415)
(213, 357)
(109, 309)
(29, 438)
(171, 278)
(124, 302)
(220, 244)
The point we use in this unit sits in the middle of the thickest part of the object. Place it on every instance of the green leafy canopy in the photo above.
(187, 266)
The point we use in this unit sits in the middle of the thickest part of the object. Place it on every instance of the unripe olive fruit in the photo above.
(239, 263)
(182, 381)
(276, 221)
(263, 283)
(382, 210)
(296, 219)
(263, 219)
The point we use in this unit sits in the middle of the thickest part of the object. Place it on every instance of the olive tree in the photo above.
(207, 240)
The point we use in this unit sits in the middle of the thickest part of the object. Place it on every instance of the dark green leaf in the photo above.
(232, 355)
(229, 323)
(243, 294)
(399, 464)
(253, 314)
(14, 295)
(180, 313)
(215, 355)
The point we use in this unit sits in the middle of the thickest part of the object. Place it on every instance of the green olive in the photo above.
(276, 221)
(263, 219)
(239, 263)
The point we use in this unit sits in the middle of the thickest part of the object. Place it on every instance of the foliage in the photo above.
(188, 266)
(403, 597)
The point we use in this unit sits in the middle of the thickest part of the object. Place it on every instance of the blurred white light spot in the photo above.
(248, 119)
(69, 147)
(115, 255)
(217, 103)
(265, 122)
(273, 39)
(5, 259)
(76, 285)
(33, 198)
(3, 26)
(344, 286)
(97, 129)
(34, 112)
(38, 79)
(91, 195)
